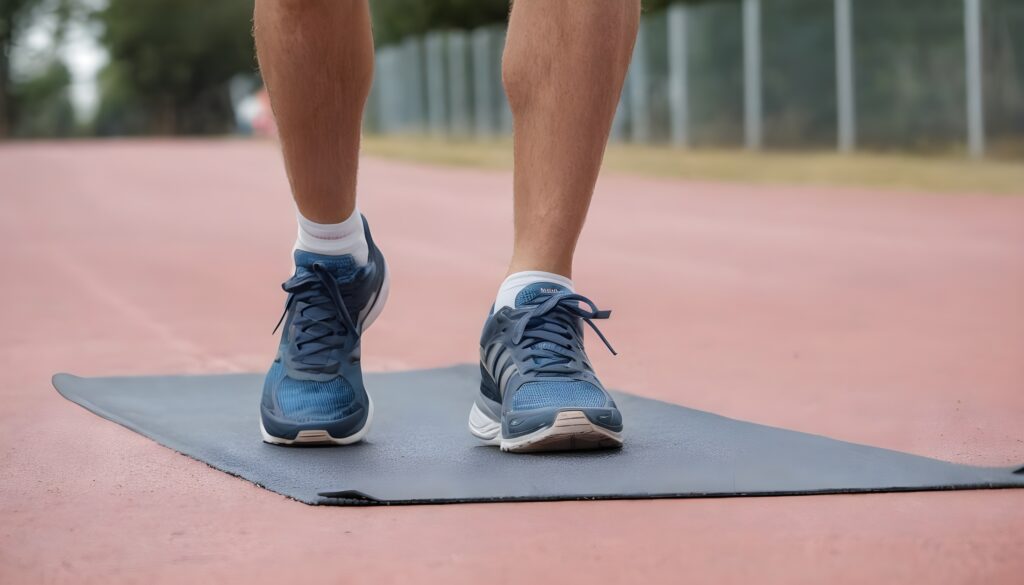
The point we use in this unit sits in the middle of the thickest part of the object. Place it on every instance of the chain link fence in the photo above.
(777, 74)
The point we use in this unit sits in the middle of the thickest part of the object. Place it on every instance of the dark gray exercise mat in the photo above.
(419, 450)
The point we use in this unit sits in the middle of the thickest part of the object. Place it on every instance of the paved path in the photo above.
(890, 319)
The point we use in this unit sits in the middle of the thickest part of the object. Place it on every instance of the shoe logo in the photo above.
(550, 291)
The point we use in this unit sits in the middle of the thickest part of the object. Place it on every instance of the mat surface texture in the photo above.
(419, 450)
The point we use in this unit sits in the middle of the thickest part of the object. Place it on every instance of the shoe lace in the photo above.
(322, 323)
(548, 332)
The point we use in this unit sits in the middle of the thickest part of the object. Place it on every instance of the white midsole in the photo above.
(484, 427)
(488, 430)
(315, 436)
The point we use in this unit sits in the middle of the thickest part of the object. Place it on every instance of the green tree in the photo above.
(170, 64)
(42, 104)
(121, 111)
(394, 20)
(13, 16)
(27, 99)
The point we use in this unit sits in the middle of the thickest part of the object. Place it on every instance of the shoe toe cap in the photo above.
(307, 401)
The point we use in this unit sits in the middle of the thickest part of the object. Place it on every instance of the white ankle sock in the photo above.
(334, 239)
(516, 282)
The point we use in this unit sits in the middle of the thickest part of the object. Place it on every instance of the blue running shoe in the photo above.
(313, 393)
(538, 391)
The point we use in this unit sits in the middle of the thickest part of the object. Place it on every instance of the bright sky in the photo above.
(84, 57)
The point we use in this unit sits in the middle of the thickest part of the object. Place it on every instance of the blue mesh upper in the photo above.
(560, 394)
(304, 401)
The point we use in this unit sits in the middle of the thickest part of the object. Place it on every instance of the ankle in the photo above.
(561, 267)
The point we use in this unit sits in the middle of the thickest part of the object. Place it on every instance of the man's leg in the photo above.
(563, 69)
(317, 63)
(316, 57)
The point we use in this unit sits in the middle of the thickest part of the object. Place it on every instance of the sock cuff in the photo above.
(527, 277)
(330, 231)
(334, 239)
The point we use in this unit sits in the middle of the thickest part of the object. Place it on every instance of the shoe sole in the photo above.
(320, 436)
(571, 431)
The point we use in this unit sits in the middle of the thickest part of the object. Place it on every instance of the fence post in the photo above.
(752, 92)
(458, 84)
(845, 103)
(505, 116)
(678, 88)
(640, 127)
(387, 90)
(621, 122)
(372, 115)
(483, 88)
(412, 82)
(975, 103)
(434, 47)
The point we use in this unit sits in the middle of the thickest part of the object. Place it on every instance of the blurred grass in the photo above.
(944, 174)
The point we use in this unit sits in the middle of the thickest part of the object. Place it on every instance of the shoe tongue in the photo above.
(340, 266)
(532, 291)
